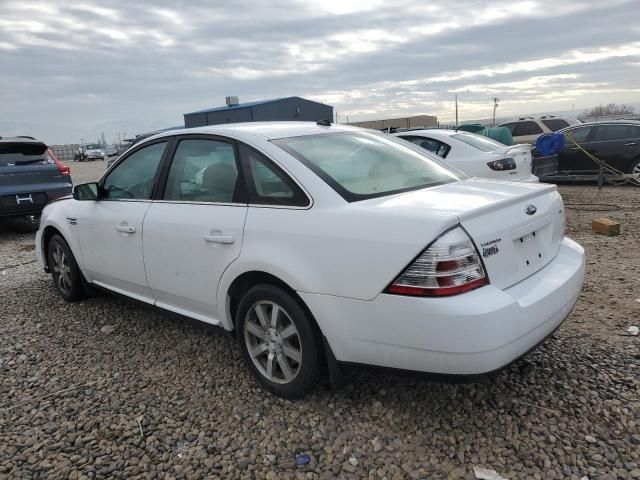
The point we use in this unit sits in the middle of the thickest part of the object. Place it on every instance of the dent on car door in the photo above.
(194, 228)
(111, 227)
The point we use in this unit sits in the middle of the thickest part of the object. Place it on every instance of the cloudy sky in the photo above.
(71, 70)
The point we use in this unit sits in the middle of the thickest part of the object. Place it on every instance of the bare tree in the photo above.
(609, 109)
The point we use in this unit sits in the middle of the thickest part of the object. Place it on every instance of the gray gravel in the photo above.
(108, 388)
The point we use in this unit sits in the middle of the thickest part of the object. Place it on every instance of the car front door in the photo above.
(110, 229)
(194, 228)
(572, 159)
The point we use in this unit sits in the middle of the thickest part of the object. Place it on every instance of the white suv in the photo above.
(528, 129)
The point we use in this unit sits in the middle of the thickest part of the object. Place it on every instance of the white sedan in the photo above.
(475, 154)
(321, 244)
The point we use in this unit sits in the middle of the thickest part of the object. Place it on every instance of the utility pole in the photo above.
(456, 111)
(495, 106)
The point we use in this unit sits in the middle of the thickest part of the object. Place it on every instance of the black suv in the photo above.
(30, 176)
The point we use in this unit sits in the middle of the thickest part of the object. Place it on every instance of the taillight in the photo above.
(504, 164)
(62, 168)
(451, 265)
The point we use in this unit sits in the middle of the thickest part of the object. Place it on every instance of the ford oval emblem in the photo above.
(530, 210)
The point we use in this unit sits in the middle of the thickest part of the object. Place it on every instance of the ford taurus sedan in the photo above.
(321, 245)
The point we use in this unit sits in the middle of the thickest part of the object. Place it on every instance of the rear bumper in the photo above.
(530, 179)
(470, 334)
(32, 200)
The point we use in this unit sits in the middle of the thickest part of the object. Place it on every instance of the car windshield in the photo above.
(481, 143)
(361, 165)
(93, 146)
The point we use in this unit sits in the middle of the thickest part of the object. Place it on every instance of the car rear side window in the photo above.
(361, 165)
(203, 171)
(521, 129)
(555, 124)
(612, 132)
(133, 177)
(268, 184)
(434, 146)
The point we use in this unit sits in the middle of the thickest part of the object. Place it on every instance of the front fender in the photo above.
(58, 216)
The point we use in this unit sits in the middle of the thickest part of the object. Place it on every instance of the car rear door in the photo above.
(194, 228)
(616, 145)
(29, 178)
(111, 228)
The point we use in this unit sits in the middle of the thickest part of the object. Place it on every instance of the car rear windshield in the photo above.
(18, 153)
(361, 165)
(481, 143)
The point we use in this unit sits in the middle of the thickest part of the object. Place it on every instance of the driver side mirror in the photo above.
(86, 191)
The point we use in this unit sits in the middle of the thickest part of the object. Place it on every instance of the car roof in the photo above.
(607, 122)
(266, 130)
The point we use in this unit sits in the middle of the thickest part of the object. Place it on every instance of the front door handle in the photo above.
(630, 144)
(126, 228)
(226, 239)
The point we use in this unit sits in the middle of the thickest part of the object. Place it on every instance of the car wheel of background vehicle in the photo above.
(278, 341)
(26, 224)
(635, 169)
(67, 277)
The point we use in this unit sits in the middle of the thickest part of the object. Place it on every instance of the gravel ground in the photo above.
(108, 388)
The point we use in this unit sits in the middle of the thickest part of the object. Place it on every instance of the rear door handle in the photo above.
(125, 228)
(630, 144)
(226, 239)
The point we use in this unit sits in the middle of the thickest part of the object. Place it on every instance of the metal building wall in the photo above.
(286, 109)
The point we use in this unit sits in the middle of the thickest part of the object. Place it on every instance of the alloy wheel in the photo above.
(636, 171)
(273, 342)
(61, 270)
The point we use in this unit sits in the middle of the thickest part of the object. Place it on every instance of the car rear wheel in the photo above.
(67, 277)
(278, 341)
(635, 170)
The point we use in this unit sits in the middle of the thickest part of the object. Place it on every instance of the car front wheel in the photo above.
(278, 341)
(67, 277)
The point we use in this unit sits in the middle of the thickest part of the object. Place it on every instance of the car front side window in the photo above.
(133, 177)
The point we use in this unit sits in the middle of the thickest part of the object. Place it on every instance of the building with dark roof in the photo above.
(279, 109)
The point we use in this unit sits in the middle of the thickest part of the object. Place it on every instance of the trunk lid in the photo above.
(25, 166)
(517, 227)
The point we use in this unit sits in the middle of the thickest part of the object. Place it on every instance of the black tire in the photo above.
(69, 285)
(306, 339)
